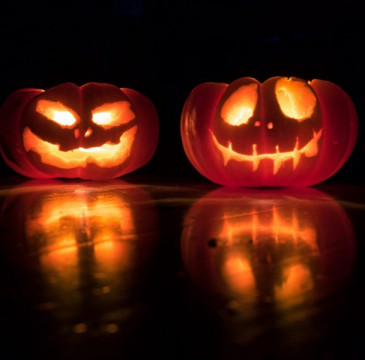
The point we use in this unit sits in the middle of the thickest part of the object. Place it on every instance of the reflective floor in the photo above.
(116, 270)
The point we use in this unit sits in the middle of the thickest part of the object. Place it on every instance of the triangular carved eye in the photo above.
(112, 114)
(58, 113)
(295, 98)
(240, 105)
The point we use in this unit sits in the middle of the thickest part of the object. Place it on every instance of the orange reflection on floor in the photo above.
(297, 282)
(238, 275)
(266, 246)
(87, 241)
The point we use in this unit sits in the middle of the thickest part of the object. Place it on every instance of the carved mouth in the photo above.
(106, 155)
(310, 149)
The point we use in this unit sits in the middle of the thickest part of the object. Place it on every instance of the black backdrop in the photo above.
(164, 48)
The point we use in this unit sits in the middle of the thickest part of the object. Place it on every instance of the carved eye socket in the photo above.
(295, 98)
(112, 114)
(240, 105)
(58, 113)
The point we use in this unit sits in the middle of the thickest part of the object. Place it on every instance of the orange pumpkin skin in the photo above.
(96, 131)
(283, 132)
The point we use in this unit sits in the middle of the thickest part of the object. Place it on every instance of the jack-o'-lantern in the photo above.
(84, 247)
(284, 247)
(283, 132)
(96, 131)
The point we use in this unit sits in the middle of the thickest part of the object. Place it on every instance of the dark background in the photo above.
(165, 48)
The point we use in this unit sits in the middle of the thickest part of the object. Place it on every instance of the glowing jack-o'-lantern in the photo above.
(281, 247)
(96, 131)
(83, 247)
(284, 132)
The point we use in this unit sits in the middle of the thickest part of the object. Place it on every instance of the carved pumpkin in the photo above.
(281, 247)
(96, 131)
(284, 132)
(83, 247)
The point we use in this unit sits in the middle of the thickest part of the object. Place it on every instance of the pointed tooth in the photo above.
(277, 162)
(296, 158)
(277, 165)
(254, 149)
(296, 143)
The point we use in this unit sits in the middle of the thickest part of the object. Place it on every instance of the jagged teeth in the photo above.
(309, 150)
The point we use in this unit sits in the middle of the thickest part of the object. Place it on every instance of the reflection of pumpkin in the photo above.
(282, 132)
(56, 219)
(284, 247)
(83, 246)
(95, 131)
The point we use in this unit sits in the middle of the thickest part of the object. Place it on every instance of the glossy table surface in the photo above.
(116, 270)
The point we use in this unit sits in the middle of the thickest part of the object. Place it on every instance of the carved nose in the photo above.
(270, 125)
(88, 132)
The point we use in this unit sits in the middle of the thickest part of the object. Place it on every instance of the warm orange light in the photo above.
(271, 222)
(297, 283)
(237, 273)
(106, 155)
(68, 222)
(63, 220)
(240, 105)
(271, 250)
(265, 226)
(113, 255)
(58, 113)
(295, 98)
(308, 150)
(113, 114)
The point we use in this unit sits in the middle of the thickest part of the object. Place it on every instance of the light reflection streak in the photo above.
(87, 243)
(270, 246)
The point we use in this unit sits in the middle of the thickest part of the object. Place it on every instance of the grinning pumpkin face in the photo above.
(292, 129)
(283, 132)
(94, 131)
